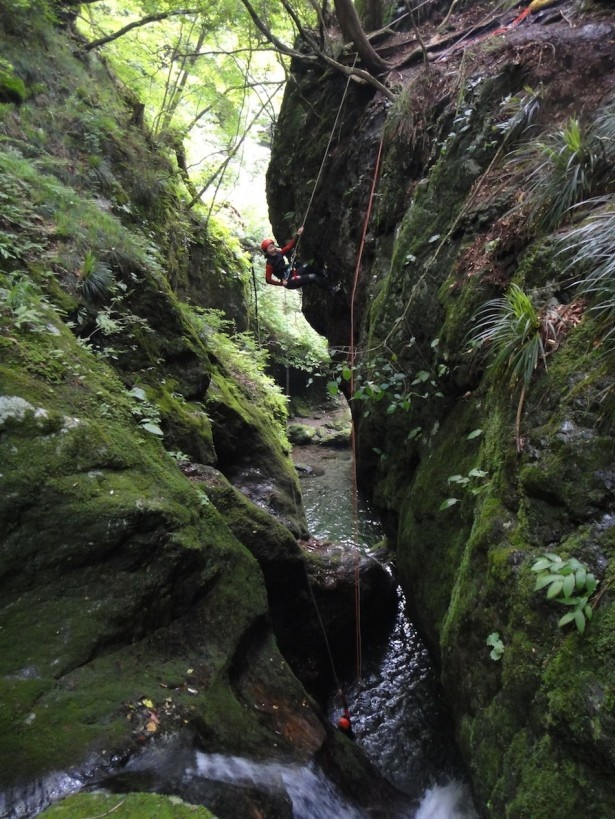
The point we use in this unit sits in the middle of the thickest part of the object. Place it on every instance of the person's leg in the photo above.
(297, 280)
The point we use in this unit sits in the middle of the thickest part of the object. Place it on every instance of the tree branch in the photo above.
(222, 167)
(144, 21)
(317, 56)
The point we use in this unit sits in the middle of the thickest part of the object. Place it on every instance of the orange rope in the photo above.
(351, 361)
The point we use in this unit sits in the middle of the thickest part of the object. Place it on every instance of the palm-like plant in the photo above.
(569, 166)
(95, 279)
(593, 256)
(512, 328)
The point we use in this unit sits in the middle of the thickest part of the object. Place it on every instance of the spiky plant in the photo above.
(592, 249)
(96, 280)
(511, 329)
(567, 167)
(519, 112)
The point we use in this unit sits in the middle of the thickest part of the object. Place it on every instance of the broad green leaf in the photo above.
(474, 434)
(546, 579)
(154, 428)
(541, 564)
(567, 618)
(477, 473)
(589, 612)
(555, 589)
(448, 503)
(579, 619)
(138, 393)
(580, 576)
(574, 564)
(568, 586)
(590, 583)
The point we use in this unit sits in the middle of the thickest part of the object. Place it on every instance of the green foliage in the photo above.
(243, 359)
(519, 111)
(96, 279)
(497, 646)
(23, 305)
(511, 328)
(284, 331)
(474, 482)
(12, 88)
(19, 231)
(567, 167)
(29, 196)
(381, 379)
(568, 582)
(201, 77)
(146, 412)
(590, 247)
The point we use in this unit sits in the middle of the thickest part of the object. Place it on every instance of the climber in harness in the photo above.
(283, 273)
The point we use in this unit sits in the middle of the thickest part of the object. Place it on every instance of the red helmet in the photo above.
(343, 724)
(265, 244)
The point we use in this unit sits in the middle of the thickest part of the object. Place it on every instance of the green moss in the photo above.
(12, 88)
(125, 806)
(536, 782)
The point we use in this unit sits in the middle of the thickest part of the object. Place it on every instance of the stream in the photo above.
(399, 717)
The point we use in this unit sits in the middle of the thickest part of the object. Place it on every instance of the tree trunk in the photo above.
(370, 14)
(352, 30)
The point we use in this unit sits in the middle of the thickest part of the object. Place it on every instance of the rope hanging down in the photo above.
(351, 362)
(324, 158)
(352, 355)
(358, 645)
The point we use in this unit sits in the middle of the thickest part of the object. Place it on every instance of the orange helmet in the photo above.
(265, 244)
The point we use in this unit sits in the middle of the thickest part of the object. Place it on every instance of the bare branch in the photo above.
(231, 153)
(317, 56)
(144, 21)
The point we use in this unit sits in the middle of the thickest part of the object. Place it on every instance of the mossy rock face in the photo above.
(122, 582)
(12, 88)
(105, 546)
(251, 456)
(448, 233)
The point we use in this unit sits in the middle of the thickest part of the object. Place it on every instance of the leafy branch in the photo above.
(569, 583)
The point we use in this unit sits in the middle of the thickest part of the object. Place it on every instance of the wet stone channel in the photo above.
(399, 717)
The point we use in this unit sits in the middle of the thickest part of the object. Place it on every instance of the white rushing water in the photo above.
(312, 795)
